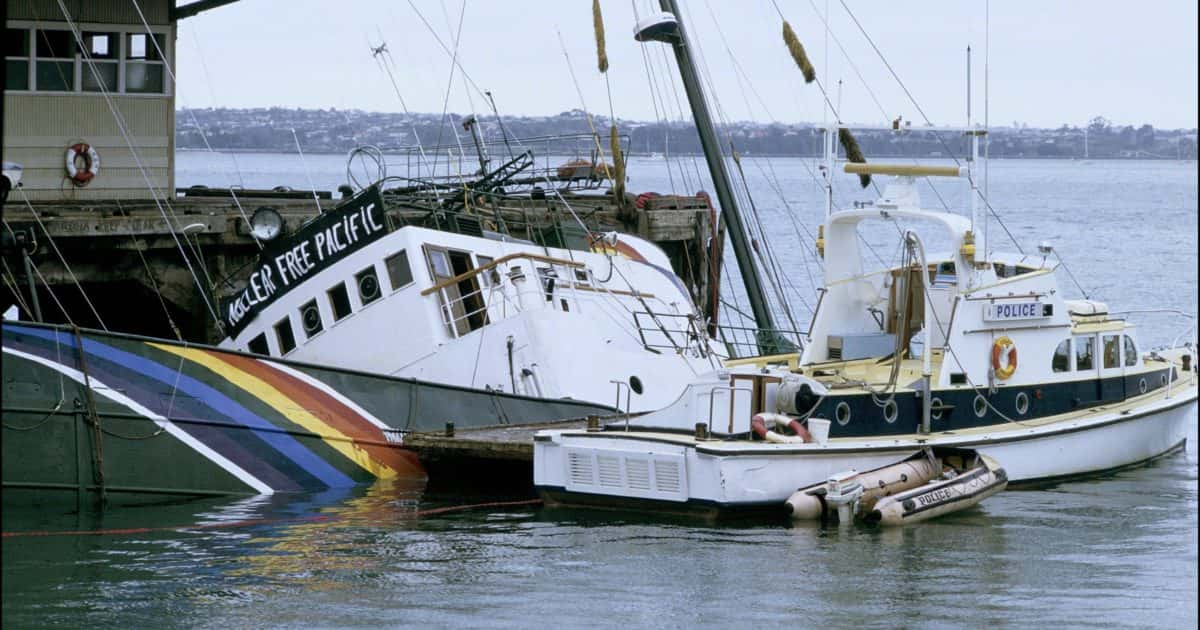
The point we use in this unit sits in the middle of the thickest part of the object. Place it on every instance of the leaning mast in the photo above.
(671, 31)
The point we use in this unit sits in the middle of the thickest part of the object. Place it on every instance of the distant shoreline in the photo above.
(773, 155)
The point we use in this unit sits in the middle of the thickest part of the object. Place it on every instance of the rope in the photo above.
(97, 439)
(316, 518)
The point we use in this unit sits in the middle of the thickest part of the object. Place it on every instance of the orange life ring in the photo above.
(998, 347)
(91, 163)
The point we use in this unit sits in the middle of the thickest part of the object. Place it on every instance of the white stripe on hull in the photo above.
(168, 426)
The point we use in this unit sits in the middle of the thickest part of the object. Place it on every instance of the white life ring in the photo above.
(91, 163)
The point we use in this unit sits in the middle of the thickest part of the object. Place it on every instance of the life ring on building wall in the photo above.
(91, 163)
(999, 347)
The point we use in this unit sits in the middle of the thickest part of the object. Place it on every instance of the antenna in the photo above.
(968, 85)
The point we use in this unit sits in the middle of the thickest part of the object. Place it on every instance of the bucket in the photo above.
(819, 429)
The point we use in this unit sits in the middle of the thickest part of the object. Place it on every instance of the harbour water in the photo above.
(1120, 551)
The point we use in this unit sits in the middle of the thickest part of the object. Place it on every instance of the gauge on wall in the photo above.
(266, 224)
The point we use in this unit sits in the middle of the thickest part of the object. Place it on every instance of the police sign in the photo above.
(1009, 311)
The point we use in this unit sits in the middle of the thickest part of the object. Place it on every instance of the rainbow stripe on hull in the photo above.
(182, 420)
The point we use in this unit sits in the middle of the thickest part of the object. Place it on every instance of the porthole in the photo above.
(936, 408)
(981, 406)
(890, 411)
(1022, 403)
(1142, 387)
(842, 413)
(310, 318)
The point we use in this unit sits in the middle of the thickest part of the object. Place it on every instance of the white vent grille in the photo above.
(610, 470)
(666, 476)
(579, 469)
(636, 474)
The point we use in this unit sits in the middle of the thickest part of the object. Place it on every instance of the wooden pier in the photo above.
(498, 455)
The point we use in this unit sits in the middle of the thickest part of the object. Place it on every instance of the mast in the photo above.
(675, 35)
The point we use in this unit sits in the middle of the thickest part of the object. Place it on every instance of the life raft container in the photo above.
(758, 424)
(1000, 347)
(91, 163)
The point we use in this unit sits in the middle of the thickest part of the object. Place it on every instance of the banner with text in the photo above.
(314, 247)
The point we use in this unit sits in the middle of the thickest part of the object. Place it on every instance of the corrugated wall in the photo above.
(106, 11)
(38, 128)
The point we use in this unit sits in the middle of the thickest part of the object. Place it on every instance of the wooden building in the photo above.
(97, 77)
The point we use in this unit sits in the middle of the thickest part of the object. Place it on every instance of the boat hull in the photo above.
(135, 420)
(582, 468)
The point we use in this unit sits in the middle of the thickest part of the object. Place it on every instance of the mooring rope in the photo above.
(316, 518)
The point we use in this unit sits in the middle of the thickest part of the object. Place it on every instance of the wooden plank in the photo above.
(491, 443)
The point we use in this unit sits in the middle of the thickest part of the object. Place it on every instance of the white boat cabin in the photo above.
(613, 325)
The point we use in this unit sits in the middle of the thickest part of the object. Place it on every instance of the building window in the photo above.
(143, 64)
(1062, 357)
(16, 59)
(52, 60)
(284, 335)
(1130, 351)
(339, 300)
(1112, 351)
(310, 318)
(1084, 351)
(101, 74)
(398, 270)
(258, 345)
(55, 61)
(368, 285)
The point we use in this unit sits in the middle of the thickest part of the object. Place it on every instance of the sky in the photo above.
(1047, 62)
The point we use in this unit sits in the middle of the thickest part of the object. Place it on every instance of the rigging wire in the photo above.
(58, 253)
(196, 121)
(123, 128)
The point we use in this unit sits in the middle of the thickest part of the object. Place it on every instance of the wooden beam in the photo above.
(192, 8)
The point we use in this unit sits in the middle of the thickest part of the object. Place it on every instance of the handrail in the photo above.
(503, 259)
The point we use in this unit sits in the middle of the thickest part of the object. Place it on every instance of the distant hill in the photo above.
(338, 131)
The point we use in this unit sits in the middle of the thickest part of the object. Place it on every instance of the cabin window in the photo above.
(463, 308)
(439, 263)
(101, 48)
(1130, 351)
(283, 334)
(258, 345)
(583, 277)
(398, 270)
(481, 262)
(310, 318)
(1084, 351)
(56, 61)
(339, 301)
(16, 59)
(1112, 351)
(1062, 357)
(368, 285)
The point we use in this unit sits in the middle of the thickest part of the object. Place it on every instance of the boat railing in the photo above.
(733, 390)
(556, 287)
(675, 331)
(568, 161)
